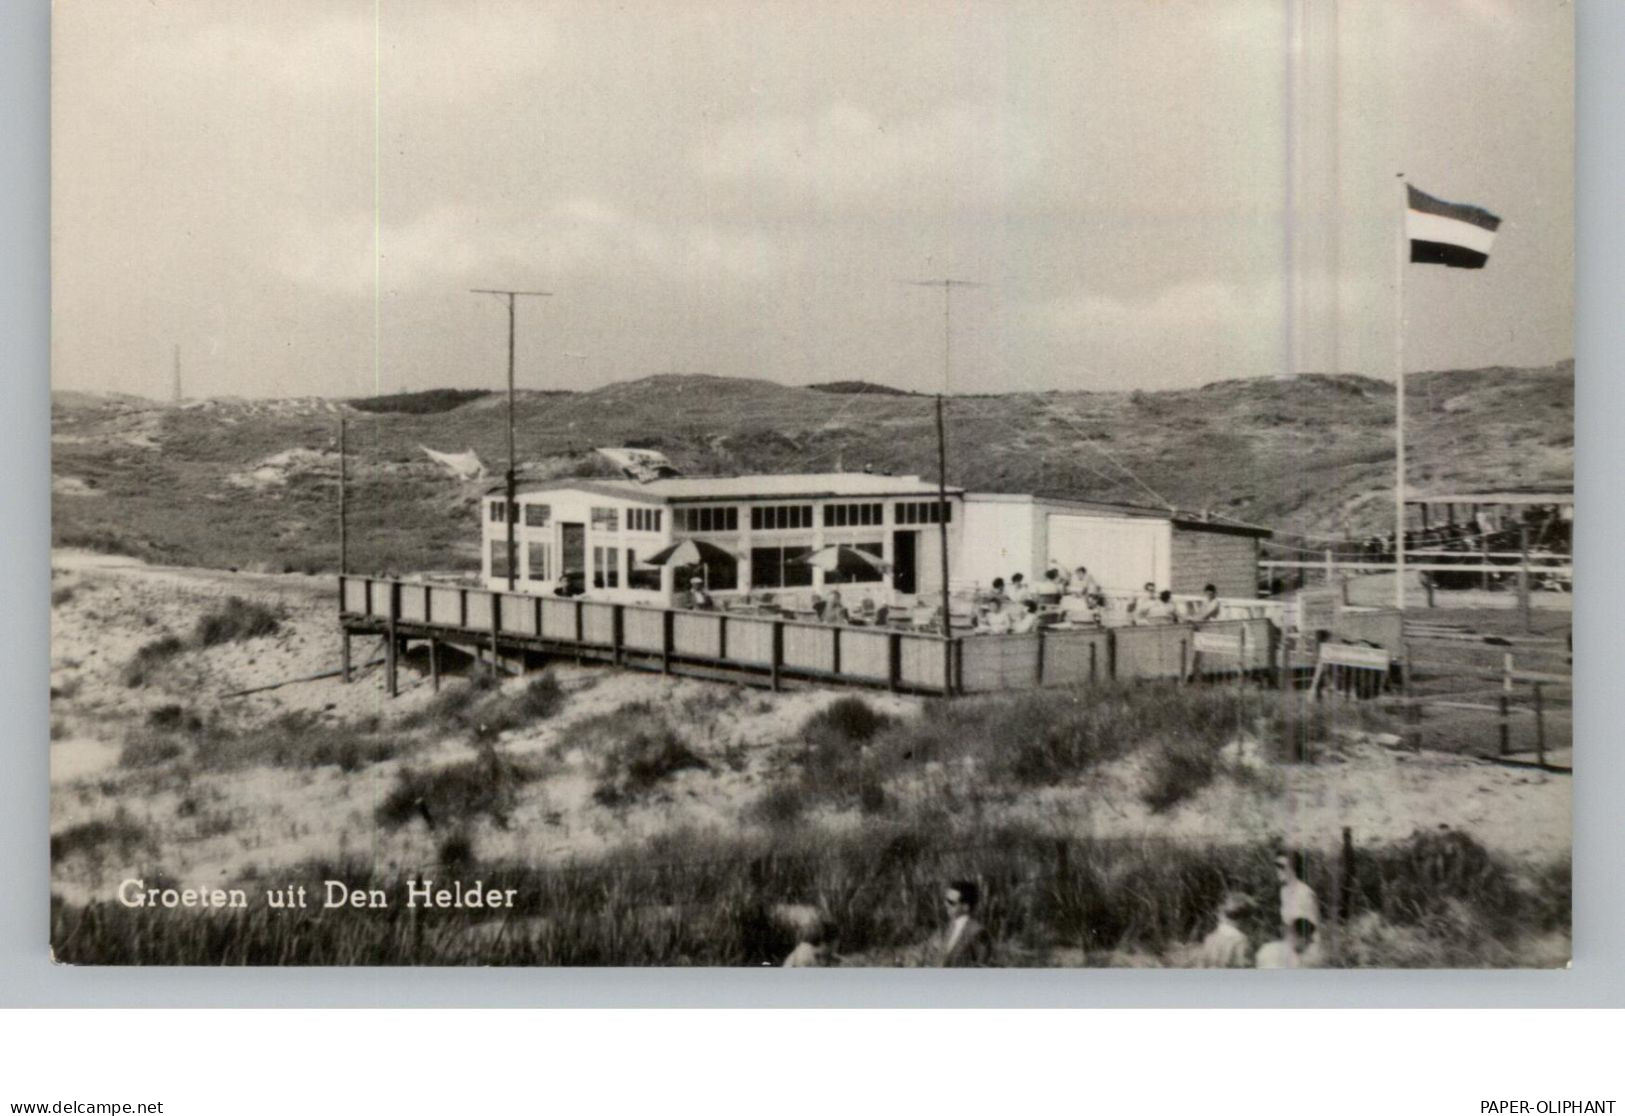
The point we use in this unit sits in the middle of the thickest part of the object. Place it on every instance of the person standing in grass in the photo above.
(963, 943)
(1227, 947)
(1298, 900)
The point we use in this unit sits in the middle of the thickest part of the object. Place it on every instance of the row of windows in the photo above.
(536, 515)
(777, 517)
(923, 511)
(854, 515)
(707, 519)
(771, 567)
(781, 517)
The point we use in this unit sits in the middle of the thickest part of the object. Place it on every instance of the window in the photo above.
(707, 519)
(606, 519)
(865, 574)
(606, 567)
(781, 517)
(778, 567)
(538, 555)
(499, 512)
(923, 511)
(499, 557)
(538, 515)
(853, 515)
(640, 577)
(643, 519)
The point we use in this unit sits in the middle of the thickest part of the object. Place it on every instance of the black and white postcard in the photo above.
(954, 483)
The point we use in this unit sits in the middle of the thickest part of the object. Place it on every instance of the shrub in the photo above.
(849, 718)
(635, 767)
(482, 708)
(300, 739)
(236, 620)
(146, 748)
(174, 718)
(1178, 768)
(148, 658)
(456, 850)
(61, 595)
(455, 795)
(92, 839)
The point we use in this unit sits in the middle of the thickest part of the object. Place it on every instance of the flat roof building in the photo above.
(594, 536)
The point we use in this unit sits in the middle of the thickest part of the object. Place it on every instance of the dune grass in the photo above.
(237, 619)
(704, 899)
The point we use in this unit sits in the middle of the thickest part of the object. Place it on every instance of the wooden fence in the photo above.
(770, 649)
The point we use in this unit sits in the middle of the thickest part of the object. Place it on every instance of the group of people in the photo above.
(1078, 598)
(963, 942)
(1297, 944)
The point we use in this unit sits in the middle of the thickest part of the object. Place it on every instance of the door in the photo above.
(573, 556)
(905, 562)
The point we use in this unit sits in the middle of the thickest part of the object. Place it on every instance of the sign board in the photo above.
(1350, 655)
(1317, 612)
(1216, 643)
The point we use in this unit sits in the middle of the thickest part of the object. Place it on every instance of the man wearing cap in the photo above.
(696, 597)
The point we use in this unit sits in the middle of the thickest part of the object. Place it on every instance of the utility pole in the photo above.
(177, 385)
(344, 502)
(509, 513)
(947, 286)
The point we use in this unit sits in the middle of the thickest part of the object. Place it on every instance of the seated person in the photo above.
(834, 611)
(696, 597)
(1026, 618)
(1147, 598)
(1053, 587)
(818, 607)
(1159, 611)
(1001, 618)
(1209, 607)
(1083, 584)
(1019, 591)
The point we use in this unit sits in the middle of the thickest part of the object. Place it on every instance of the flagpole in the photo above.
(1399, 395)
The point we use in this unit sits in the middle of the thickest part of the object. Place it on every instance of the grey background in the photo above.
(28, 978)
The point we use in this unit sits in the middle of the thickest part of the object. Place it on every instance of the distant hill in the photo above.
(213, 482)
(857, 387)
(432, 402)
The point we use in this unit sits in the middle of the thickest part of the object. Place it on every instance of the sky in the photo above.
(1151, 193)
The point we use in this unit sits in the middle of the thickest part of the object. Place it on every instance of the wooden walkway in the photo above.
(769, 651)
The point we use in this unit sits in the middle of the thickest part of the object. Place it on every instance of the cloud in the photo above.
(578, 237)
(847, 151)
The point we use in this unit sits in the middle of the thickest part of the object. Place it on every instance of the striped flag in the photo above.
(1446, 233)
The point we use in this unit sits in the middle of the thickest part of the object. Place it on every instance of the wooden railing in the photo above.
(775, 648)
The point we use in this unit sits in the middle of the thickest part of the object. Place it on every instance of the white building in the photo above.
(1122, 546)
(592, 536)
